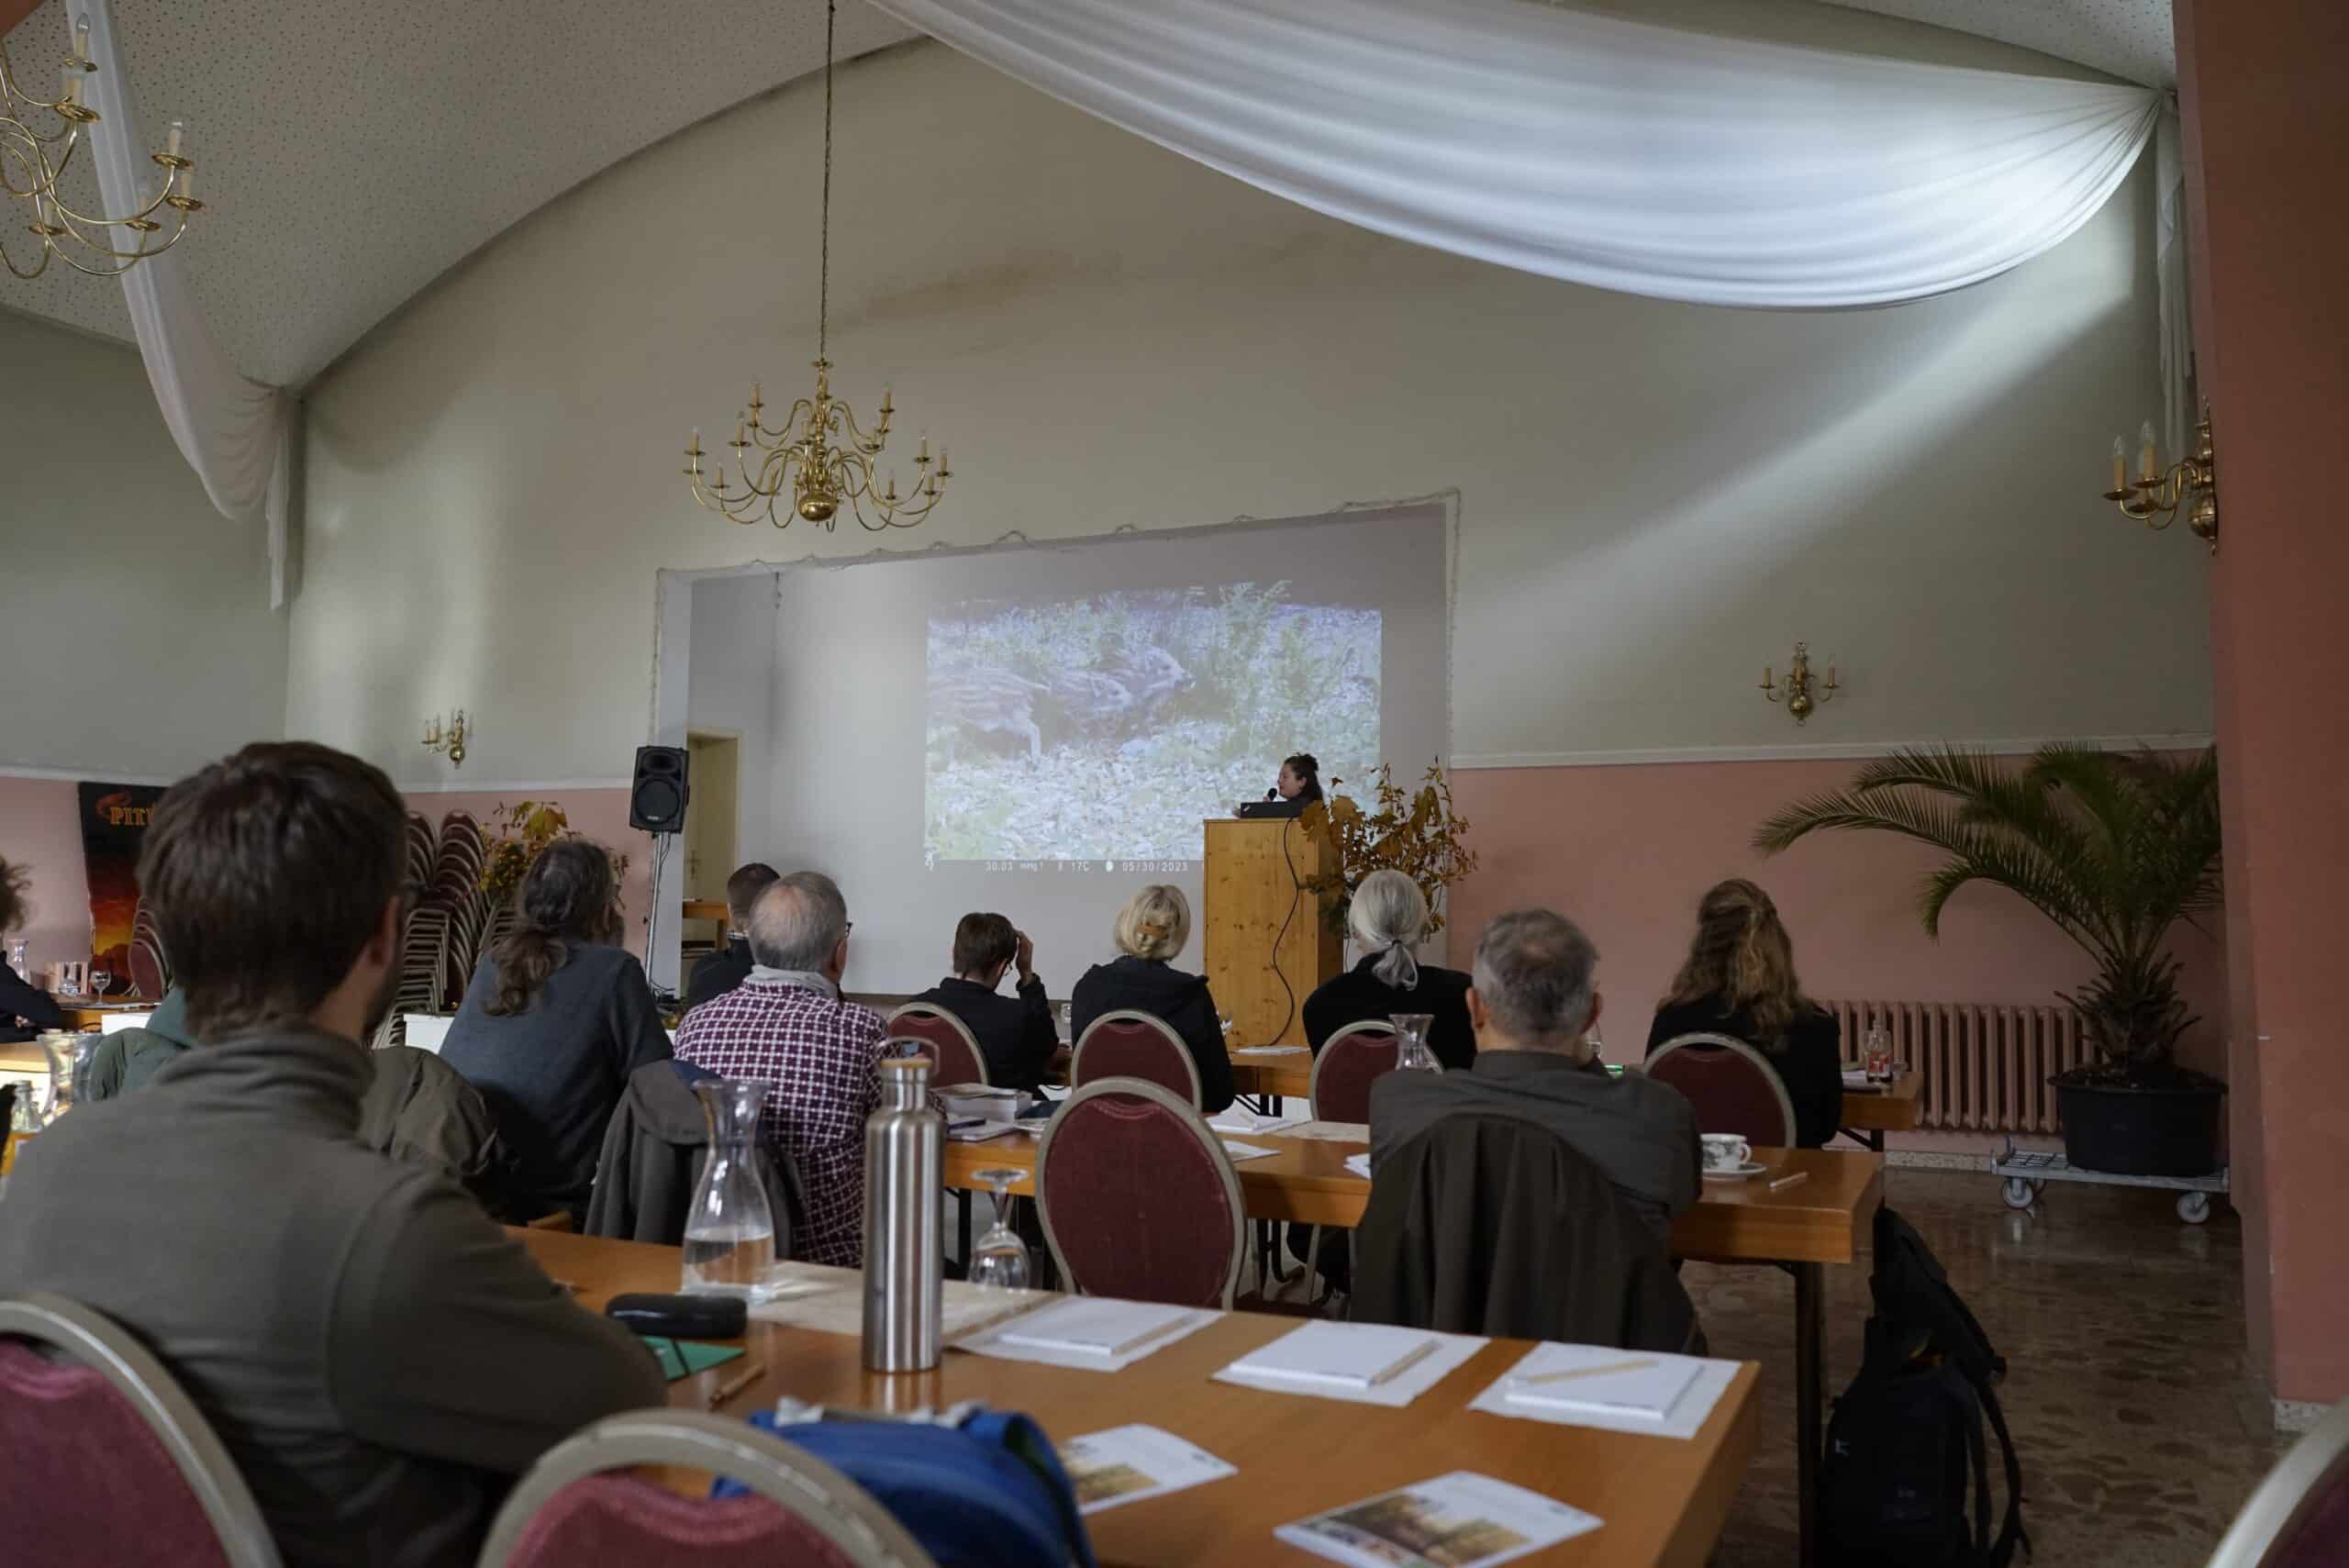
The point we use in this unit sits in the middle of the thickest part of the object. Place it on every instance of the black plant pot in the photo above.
(2141, 1130)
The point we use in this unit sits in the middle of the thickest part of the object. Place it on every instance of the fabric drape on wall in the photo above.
(1595, 149)
(236, 433)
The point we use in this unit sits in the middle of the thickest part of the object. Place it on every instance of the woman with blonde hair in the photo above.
(1740, 981)
(1388, 918)
(1151, 931)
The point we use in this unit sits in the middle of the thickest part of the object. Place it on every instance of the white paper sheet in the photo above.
(1126, 1465)
(1239, 1151)
(1237, 1118)
(1330, 1131)
(1689, 1412)
(1092, 1332)
(831, 1301)
(1604, 1380)
(1359, 1164)
(980, 1131)
(1367, 1364)
(1464, 1506)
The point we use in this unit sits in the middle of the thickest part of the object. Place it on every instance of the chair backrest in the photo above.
(572, 1511)
(953, 1049)
(1127, 1044)
(1732, 1086)
(1487, 1223)
(1138, 1198)
(1347, 1064)
(2298, 1517)
(104, 1459)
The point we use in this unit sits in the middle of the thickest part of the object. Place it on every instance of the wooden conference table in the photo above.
(1663, 1500)
(1820, 1220)
(1868, 1114)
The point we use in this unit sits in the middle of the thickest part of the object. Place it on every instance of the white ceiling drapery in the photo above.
(236, 433)
(1595, 149)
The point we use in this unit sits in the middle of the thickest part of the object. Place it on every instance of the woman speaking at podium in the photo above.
(1299, 786)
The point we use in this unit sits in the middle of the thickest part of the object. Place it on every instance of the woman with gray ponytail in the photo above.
(1387, 919)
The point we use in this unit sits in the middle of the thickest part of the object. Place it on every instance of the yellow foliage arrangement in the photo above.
(1413, 831)
(522, 829)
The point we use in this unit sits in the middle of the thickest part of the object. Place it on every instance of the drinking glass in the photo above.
(999, 1259)
(1411, 1052)
(1061, 1021)
(99, 980)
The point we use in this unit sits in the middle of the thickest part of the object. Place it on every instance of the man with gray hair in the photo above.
(1534, 1004)
(787, 1027)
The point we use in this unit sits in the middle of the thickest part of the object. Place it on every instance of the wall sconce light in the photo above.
(2157, 492)
(1802, 695)
(451, 739)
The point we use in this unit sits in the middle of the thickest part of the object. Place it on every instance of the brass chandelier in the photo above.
(820, 454)
(37, 141)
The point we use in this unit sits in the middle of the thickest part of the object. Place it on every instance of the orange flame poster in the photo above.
(113, 828)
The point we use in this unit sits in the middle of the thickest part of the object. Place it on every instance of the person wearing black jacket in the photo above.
(1387, 916)
(721, 972)
(1151, 931)
(1014, 1033)
(1740, 981)
(24, 1007)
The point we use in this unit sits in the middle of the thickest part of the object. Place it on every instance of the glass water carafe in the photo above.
(1411, 1052)
(729, 1230)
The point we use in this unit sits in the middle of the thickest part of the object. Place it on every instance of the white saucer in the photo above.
(1736, 1172)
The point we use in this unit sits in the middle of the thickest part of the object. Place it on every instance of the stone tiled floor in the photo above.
(2127, 1390)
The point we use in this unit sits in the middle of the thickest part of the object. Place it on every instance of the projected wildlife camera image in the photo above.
(1108, 726)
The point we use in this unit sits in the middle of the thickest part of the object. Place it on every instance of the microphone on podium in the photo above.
(1273, 794)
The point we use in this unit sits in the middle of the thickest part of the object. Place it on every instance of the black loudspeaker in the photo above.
(656, 799)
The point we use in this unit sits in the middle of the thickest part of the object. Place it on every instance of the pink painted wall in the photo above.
(39, 828)
(1627, 851)
(2267, 156)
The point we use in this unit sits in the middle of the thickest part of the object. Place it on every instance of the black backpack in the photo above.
(1906, 1478)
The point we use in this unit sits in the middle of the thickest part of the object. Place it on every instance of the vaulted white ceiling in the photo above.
(352, 151)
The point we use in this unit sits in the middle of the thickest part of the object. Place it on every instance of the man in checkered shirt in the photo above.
(786, 1026)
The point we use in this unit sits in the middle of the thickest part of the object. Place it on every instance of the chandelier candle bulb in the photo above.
(81, 41)
(72, 85)
(2119, 465)
(179, 131)
(2145, 451)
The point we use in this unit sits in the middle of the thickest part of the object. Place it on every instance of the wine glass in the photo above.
(1411, 1052)
(999, 1259)
(99, 980)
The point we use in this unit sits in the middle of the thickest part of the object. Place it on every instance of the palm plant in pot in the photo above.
(2115, 849)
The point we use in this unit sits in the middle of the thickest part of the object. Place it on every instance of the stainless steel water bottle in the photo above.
(905, 1172)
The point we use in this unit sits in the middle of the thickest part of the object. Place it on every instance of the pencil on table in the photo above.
(1584, 1372)
(1794, 1181)
(736, 1384)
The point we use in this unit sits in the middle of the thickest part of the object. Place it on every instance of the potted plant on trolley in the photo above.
(2115, 849)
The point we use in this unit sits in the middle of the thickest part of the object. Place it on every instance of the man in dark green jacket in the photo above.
(379, 1359)
(127, 1058)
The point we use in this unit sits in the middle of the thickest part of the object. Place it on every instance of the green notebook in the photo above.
(683, 1358)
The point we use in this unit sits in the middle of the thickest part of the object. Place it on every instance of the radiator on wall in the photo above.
(1985, 1066)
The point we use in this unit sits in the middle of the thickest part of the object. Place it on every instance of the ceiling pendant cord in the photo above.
(824, 266)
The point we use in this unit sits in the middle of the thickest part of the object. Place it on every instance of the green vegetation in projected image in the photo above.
(1108, 726)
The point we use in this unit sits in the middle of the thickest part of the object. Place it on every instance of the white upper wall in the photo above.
(1656, 500)
(136, 637)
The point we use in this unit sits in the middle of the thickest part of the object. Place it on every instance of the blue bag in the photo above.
(978, 1488)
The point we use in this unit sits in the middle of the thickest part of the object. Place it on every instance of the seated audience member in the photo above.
(1534, 1000)
(787, 1027)
(25, 1010)
(1151, 931)
(1389, 917)
(1014, 1033)
(721, 972)
(127, 1058)
(558, 1015)
(380, 1360)
(1740, 981)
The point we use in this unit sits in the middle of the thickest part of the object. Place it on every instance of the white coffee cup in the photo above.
(1726, 1151)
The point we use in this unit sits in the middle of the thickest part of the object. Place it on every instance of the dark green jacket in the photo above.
(127, 1058)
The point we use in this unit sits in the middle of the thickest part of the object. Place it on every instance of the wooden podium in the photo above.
(1263, 928)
